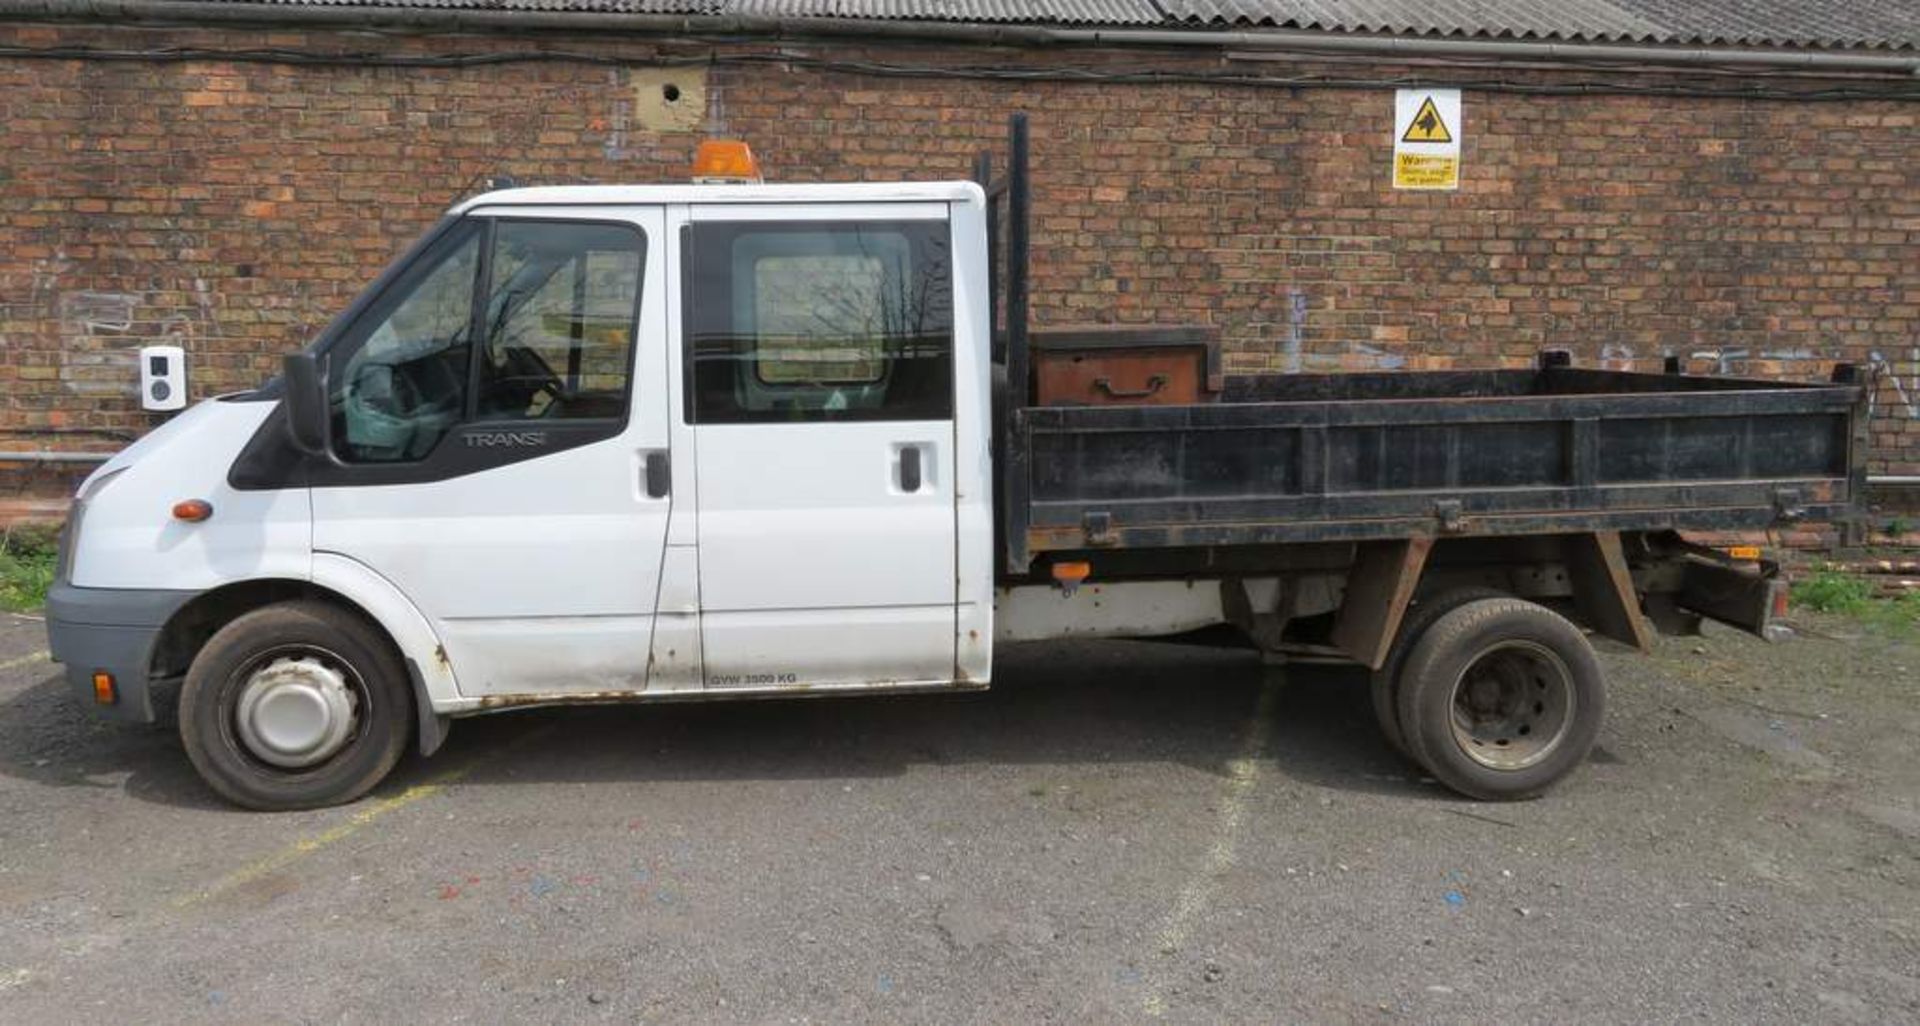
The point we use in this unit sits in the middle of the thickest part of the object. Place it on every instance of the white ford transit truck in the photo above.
(714, 441)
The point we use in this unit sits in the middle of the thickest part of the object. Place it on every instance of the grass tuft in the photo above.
(27, 556)
(1829, 591)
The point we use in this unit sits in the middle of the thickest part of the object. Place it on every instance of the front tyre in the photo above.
(296, 705)
(1500, 698)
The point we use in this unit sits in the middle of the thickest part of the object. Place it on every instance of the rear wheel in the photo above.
(1500, 698)
(1386, 680)
(295, 706)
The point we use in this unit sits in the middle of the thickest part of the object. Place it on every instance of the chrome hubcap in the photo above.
(296, 712)
(1512, 705)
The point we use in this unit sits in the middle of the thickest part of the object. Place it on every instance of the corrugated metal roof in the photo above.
(1889, 24)
(1036, 12)
(1062, 12)
(1567, 19)
(1050, 12)
(1826, 23)
(1821, 23)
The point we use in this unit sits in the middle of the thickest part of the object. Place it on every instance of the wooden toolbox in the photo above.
(1147, 365)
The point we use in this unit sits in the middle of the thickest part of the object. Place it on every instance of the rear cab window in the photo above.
(819, 322)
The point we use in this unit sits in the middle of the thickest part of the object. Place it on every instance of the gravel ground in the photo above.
(1116, 832)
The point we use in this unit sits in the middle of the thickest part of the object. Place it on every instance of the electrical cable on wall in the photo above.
(1758, 87)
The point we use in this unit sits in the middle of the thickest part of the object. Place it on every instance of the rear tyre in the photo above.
(1386, 680)
(296, 705)
(1500, 698)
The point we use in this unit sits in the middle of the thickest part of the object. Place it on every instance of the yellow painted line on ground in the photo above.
(25, 660)
(290, 854)
(1243, 772)
(300, 849)
(306, 846)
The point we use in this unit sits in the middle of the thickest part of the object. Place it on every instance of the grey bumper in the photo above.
(110, 629)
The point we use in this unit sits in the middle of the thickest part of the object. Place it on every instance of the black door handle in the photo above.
(1154, 384)
(659, 475)
(910, 469)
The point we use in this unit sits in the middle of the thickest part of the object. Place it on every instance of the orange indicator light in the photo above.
(1070, 574)
(725, 160)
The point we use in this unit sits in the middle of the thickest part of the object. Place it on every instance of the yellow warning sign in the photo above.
(1415, 171)
(1427, 126)
(1426, 139)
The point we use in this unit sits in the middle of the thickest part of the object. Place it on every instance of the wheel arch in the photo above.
(187, 631)
(342, 582)
(1585, 576)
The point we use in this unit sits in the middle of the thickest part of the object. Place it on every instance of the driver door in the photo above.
(495, 415)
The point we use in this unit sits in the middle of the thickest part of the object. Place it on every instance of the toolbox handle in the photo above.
(1154, 384)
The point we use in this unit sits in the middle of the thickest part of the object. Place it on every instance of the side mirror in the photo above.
(306, 402)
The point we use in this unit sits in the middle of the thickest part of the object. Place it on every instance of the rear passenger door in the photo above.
(819, 379)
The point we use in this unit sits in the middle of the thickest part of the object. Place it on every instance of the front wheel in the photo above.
(1501, 698)
(295, 706)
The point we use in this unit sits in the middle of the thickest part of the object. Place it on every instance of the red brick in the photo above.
(241, 205)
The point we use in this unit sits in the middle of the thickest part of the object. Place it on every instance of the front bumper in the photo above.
(113, 630)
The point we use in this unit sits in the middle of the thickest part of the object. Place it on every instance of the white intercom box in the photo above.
(163, 378)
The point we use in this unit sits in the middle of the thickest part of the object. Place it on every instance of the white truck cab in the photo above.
(580, 444)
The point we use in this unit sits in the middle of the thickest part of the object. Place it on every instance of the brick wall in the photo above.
(234, 207)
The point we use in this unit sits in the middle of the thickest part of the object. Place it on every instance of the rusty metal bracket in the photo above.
(1788, 505)
(1379, 587)
(1603, 588)
(1098, 526)
(1267, 630)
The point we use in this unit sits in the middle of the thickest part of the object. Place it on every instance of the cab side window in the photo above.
(560, 321)
(503, 320)
(405, 385)
(835, 321)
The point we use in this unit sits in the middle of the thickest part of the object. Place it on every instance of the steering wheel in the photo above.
(524, 376)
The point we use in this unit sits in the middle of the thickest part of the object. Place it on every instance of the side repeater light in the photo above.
(192, 510)
(1068, 575)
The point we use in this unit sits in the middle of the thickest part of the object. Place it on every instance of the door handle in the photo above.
(1154, 384)
(910, 468)
(659, 475)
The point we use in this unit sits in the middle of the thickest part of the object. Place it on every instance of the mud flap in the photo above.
(1731, 594)
(433, 726)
